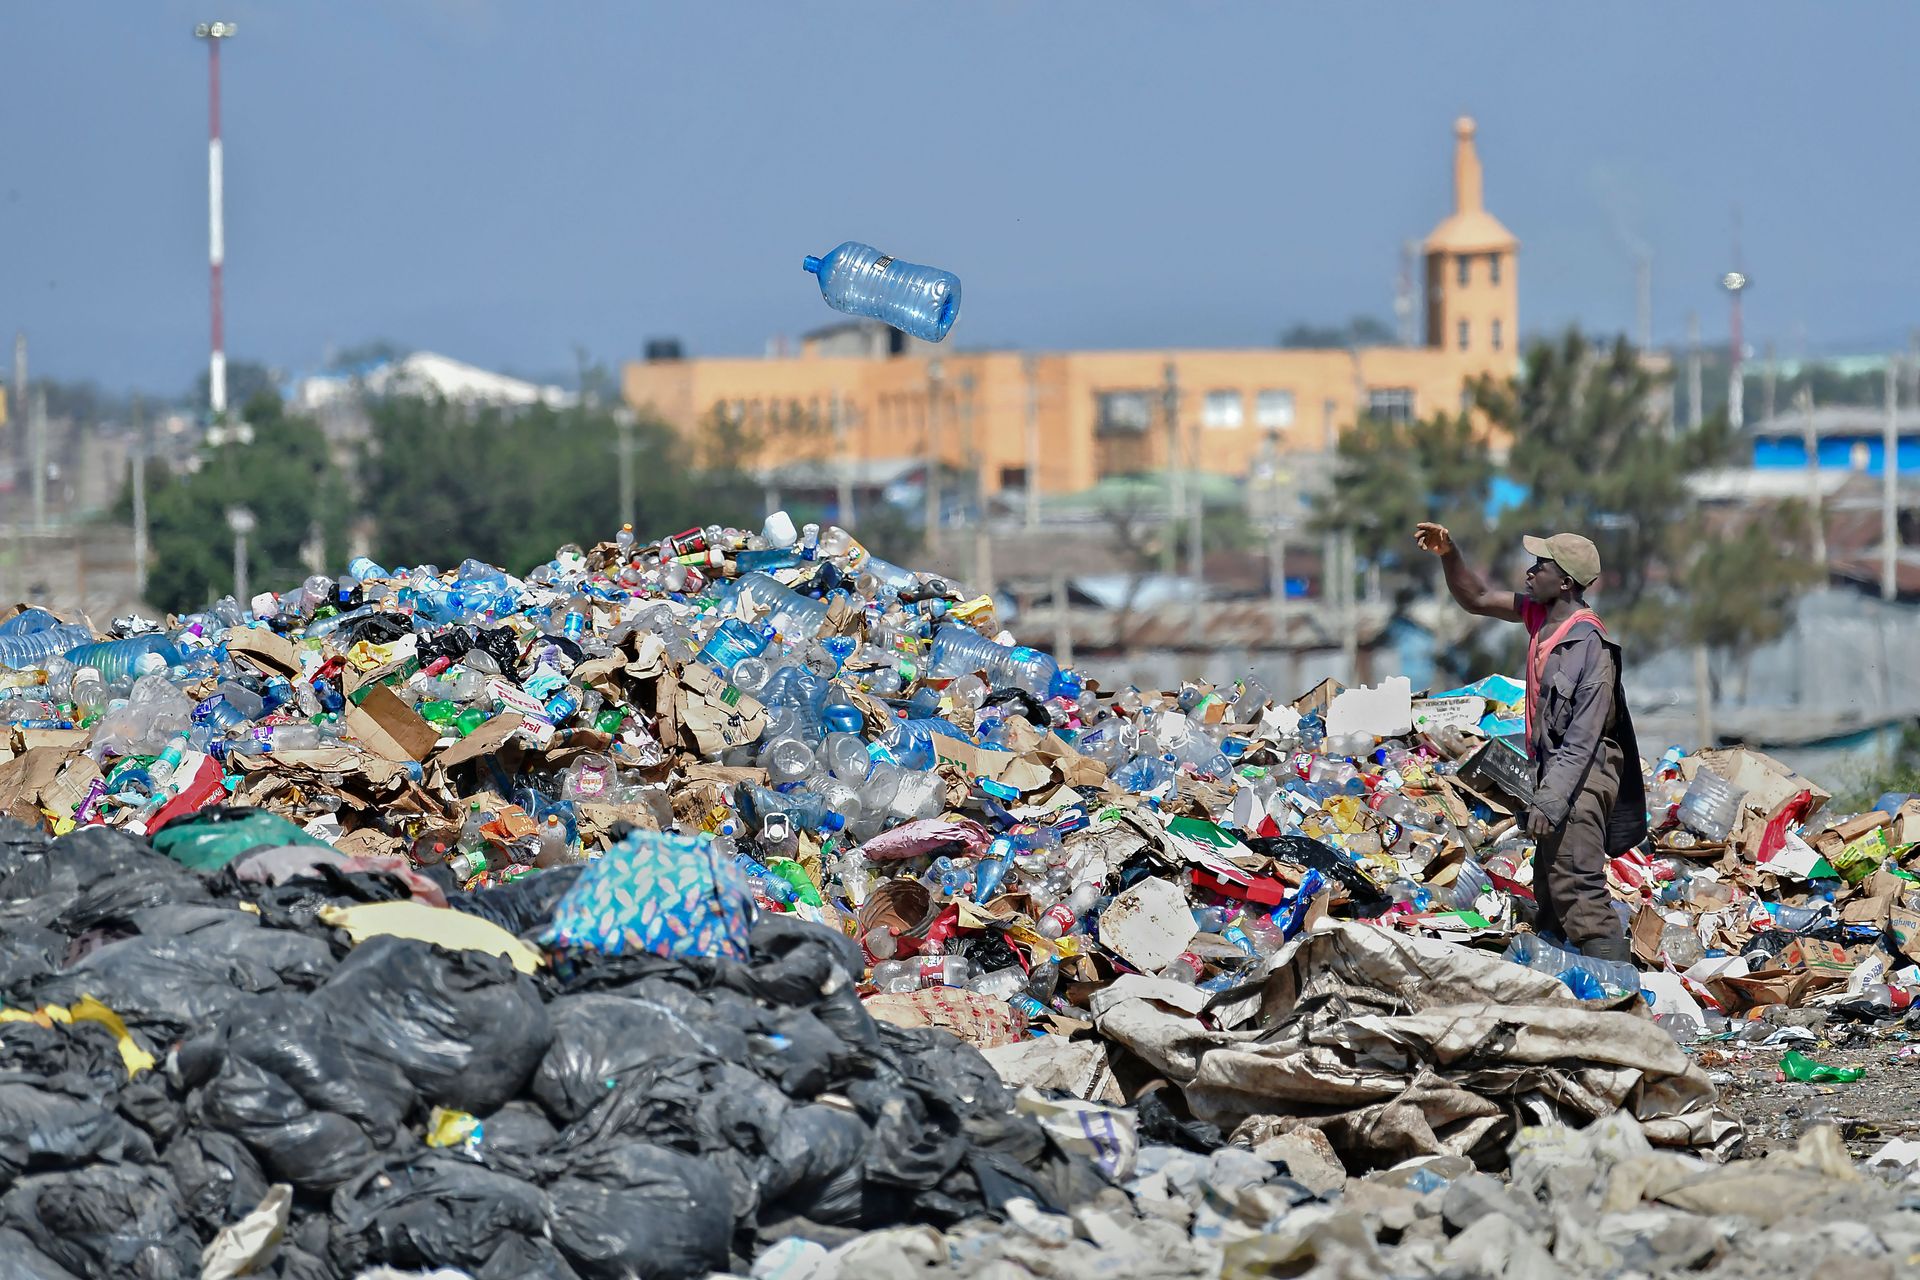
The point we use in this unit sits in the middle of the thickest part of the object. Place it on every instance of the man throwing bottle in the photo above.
(1589, 801)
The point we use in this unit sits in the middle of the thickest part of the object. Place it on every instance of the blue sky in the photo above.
(502, 181)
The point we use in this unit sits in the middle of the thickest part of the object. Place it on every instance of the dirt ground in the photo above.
(1882, 1105)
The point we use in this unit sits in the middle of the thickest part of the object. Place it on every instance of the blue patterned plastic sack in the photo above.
(667, 894)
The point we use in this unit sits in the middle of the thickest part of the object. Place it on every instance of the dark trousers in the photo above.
(1570, 867)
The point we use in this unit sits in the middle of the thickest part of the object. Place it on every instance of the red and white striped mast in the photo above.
(213, 33)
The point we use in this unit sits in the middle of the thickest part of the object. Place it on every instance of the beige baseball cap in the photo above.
(1573, 553)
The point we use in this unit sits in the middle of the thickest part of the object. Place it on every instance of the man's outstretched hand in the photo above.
(1433, 538)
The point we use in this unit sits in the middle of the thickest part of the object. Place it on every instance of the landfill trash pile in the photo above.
(684, 902)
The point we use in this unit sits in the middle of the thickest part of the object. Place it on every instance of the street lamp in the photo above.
(241, 521)
(213, 33)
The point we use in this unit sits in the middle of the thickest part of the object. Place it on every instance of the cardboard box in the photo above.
(264, 649)
(1430, 714)
(389, 728)
(1767, 782)
(485, 740)
(714, 712)
(1821, 959)
(1841, 834)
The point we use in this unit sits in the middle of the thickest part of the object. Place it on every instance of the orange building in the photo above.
(866, 396)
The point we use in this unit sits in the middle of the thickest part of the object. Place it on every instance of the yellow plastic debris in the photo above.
(451, 1128)
(87, 1009)
(454, 930)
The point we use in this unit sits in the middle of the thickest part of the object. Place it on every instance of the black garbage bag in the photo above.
(172, 983)
(80, 1058)
(522, 906)
(795, 961)
(42, 1130)
(106, 1219)
(374, 628)
(466, 1029)
(640, 1210)
(946, 1073)
(29, 952)
(815, 1168)
(19, 1260)
(519, 1140)
(599, 1040)
(909, 1150)
(309, 1148)
(98, 874)
(803, 1055)
(428, 1210)
(218, 1179)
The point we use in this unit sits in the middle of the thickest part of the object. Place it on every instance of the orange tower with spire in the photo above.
(1473, 288)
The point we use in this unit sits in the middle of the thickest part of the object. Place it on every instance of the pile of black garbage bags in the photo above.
(643, 1117)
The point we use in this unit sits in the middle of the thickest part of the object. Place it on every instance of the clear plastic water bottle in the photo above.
(860, 280)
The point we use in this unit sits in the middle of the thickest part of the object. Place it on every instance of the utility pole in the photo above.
(1643, 298)
(932, 486)
(1027, 363)
(1890, 487)
(1349, 612)
(1702, 698)
(37, 424)
(982, 535)
(843, 481)
(213, 33)
(623, 441)
(1768, 384)
(1735, 284)
(1196, 522)
(1176, 488)
(1693, 371)
(1812, 445)
(139, 501)
(17, 406)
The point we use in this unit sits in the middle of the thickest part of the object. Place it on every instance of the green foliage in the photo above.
(1593, 451)
(285, 477)
(1361, 331)
(1740, 587)
(1390, 476)
(364, 354)
(442, 481)
(247, 381)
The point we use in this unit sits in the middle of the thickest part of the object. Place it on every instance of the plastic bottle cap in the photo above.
(812, 264)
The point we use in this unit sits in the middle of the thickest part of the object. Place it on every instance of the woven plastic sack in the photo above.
(666, 894)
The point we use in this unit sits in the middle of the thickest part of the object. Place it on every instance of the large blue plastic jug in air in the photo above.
(862, 281)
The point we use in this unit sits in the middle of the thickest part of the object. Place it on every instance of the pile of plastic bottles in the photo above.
(878, 684)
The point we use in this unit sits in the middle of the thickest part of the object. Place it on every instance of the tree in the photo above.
(1361, 331)
(1593, 452)
(1389, 476)
(366, 355)
(246, 381)
(285, 477)
(443, 481)
(1740, 587)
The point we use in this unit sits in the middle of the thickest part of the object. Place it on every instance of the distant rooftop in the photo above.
(1837, 420)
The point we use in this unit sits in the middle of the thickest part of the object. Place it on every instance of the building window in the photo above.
(1013, 477)
(1122, 412)
(1223, 409)
(1463, 335)
(1273, 410)
(1329, 436)
(1390, 404)
(1463, 266)
(1493, 268)
(1496, 335)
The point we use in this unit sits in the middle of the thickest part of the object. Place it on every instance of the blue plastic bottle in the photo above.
(860, 280)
